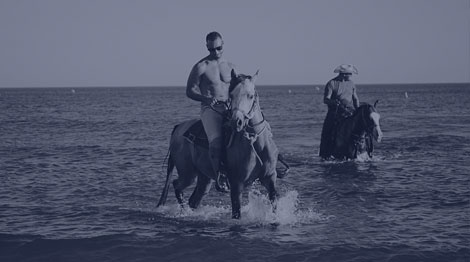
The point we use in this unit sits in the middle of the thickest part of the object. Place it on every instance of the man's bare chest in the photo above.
(216, 73)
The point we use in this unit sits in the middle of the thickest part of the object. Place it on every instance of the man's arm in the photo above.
(192, 86)
(327, 95)
(355, 98)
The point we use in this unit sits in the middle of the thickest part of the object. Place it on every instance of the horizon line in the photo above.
(261, 85)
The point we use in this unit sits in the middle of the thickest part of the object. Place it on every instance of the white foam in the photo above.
(363, 157)
(287, 211)
(204, 212)
(258, 210)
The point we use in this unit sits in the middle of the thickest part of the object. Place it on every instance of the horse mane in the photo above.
(235, 81)
(362, 106)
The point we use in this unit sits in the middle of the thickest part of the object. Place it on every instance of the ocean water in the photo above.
(81, 173)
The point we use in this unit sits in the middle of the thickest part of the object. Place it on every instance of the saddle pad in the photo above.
(196, 134)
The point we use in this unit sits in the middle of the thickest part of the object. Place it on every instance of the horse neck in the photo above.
(256, 126)
(358, 125)
(257, 121)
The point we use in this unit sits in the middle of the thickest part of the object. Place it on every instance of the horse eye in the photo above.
(250, 96)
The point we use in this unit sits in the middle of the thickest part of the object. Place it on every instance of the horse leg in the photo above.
(282, 173)
(369, 145)
(202, 188)
(236, 197)
(270, 184)
(180, 184)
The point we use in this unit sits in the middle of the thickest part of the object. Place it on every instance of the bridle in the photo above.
(253, 130)
(369, 128)
(251, 112)
(358, 135)
(228, 108)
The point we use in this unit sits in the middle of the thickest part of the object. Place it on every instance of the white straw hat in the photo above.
(346, 69)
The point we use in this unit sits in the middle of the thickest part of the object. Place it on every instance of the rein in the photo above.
(226, 105)
(253, 135)
(250, 132)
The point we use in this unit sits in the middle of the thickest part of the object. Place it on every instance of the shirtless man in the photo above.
(208, 83)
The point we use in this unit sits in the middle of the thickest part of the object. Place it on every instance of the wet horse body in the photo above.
(354, 135)
(191, 161)
(251, 153)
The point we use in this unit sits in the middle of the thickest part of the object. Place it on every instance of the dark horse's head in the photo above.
(369, 118)
(354, 134)
(243, 99)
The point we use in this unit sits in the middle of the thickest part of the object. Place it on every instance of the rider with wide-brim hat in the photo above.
(341, 98)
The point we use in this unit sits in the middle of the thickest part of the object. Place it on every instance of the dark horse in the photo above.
(353, 136)
(250, 153)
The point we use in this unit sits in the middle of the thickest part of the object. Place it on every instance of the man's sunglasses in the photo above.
(219, 48)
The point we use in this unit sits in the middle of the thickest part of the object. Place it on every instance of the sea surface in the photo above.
(81, 171)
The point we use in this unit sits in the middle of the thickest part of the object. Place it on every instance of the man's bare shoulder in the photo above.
(200, 66)
(202, 63)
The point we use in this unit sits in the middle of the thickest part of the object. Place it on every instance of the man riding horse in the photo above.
(208, 83)
(341, 98)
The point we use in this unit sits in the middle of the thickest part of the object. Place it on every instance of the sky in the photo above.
(73, 43)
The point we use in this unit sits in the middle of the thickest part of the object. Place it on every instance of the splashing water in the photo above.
(258, 210)
(287, 212)
(204, 212)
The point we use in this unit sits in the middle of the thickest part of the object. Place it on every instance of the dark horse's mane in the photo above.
(357, 138)
(235, 81)
(364, 106)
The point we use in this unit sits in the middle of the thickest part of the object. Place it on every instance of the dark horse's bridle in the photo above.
(357, 135)
(367, 127)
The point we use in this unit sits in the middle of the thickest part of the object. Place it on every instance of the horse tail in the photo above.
(169, 171)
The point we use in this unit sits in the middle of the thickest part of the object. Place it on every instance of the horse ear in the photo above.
(376, 102)
(233, 73)
(255, 76)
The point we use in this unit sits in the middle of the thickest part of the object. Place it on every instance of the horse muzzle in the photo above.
(377, 134)
(238, 120)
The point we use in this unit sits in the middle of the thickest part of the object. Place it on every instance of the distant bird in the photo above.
(73, 91)
(290, 91)
(406, 94)
(317, 88)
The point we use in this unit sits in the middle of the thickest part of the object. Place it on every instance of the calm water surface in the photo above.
(81, 173)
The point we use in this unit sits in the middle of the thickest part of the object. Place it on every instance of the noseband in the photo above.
(251, 113)
(253, 130)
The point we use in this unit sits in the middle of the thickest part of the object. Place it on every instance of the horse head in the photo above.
(243, 99)
(371, 120)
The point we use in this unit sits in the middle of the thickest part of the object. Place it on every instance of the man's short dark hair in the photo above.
(212, 36)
